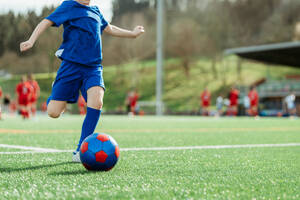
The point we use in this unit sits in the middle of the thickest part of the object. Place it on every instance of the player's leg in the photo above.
(207, 111)
(256, 110)
(235, 110)
(27, 108)
(92, 91)
(55, 108)
(23, 112)
(95, 97)
(204, 111)
(33, 106)
(94, 105)
(27, 111)
(22, 107)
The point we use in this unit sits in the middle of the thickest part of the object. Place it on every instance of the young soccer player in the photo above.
(81, 105)
(254, 101)
(134, 102)
(35, 93)
(220, 105)
(290, 104)
(234, 101)
(24, 91)
(205, 102)
(81, 55)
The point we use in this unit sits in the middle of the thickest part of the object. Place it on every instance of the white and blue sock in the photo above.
(89, 124)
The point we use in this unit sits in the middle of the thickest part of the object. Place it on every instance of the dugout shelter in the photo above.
(272, 92)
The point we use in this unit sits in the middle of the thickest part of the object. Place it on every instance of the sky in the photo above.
(24, 5)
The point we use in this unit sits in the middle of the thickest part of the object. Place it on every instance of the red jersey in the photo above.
(205, 98)
(36, 88)
(253, 97)
(24, 90)
(1, 93)
(234, 97)
(133, 100)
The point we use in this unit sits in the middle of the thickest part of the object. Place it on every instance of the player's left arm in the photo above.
(123, 33)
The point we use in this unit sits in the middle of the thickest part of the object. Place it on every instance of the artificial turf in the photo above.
(246, 173)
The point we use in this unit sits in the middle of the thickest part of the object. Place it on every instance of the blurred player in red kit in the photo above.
(81, 105)
(127, 101)
(205, 102)
(234, 101)
(24, 91)
(35, 93)
(133, 102)
(13, 106)
(44, 106)
(254, 100)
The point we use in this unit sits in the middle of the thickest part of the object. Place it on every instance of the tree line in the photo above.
(193, 29)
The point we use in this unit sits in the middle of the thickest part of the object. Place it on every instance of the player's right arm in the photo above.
(41, 27)
(119, 32)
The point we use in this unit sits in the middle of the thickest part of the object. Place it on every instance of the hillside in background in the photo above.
(196, 34)
(181, 90)
(192, 28)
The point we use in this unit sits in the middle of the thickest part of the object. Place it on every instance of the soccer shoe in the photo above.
(76, 157)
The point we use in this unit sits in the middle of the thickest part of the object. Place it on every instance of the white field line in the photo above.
(211, 147)
(34, 152)
(44, 150)
(37, 149)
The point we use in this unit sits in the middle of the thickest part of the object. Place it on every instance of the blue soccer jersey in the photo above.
(83, 27)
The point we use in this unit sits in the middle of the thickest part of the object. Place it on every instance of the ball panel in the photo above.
(88, 158)
(101, 156)
(84, 147)
(111, 161)
(108, 147)
(117, 151)
(94, 145)
(87, 166)
(102, 137)
(99, 167)
(91, 137)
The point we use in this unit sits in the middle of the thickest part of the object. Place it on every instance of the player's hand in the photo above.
(24, 46)
(137, 31)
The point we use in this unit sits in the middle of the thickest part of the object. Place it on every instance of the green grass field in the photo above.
(231, 173)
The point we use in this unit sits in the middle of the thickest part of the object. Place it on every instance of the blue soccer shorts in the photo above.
(72, 78)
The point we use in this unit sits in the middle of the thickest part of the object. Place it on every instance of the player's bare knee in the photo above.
(99, 104)
(53, 113)
(96, 104)
(95, 97)
(55, 108)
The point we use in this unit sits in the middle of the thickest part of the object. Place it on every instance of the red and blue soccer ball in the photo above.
(99, 152)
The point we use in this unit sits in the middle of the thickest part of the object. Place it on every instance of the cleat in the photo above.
(76, 157)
